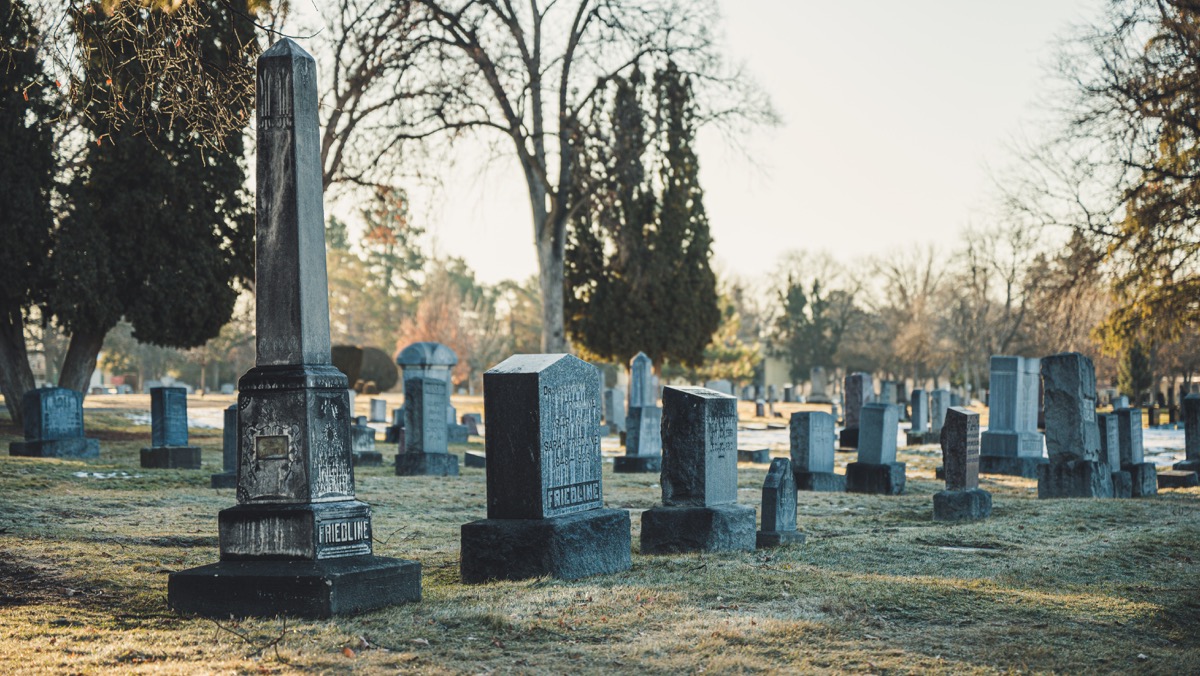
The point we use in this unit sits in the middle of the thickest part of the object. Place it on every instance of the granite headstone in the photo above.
(778, 507)
(169, 432)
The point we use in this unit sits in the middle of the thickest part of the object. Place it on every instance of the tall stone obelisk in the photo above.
(298, 542)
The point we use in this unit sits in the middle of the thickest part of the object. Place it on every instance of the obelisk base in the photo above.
(308, 589)
(426, 464)
(567, 547)
(79, 447)
(721, 528)
(171, 457)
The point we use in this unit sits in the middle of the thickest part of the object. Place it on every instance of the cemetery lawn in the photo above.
(1070, 585)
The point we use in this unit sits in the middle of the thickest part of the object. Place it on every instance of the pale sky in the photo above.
(893, 112)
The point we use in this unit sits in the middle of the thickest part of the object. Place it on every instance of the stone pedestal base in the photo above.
(1177, 479)
(1144, 477)
(723, 528)
(1187, 466)
(969, 505)
(820, 482)
(1022, 466)
(426, 464)
(1074, 479)
(171, 457)
(224, 480)
(568, 547)
(473, 459)
(1122, 485)
(58, 448)
(848, 439)
(765, 539)
(757, 455)
(368, 459)
(886, 479)
(308, 589)
(637, 464)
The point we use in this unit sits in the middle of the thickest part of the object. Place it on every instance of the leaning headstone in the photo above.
(819, 381)
(298, 542)
(426, 435)
(920, 418)
(1076, 469)
(378, 410)
(812, 440)
(545, 508)
(169, 432)
(362, 444)
(699, 478)
(1141, 473)
(54, 426)
(963, 499)
(858, 392)
(229, 458)
(1011, 445)
(614, 410)
(939, 403)
(1191, 434)
(1110, 453)
(779, 507)
(876, 471)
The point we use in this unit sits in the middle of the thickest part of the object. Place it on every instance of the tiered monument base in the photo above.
(426, 464)
(57, 448)
(820, 482)
(1011, 465)
(969, 505)
(171, 457)
(637, 464)
(1075, 479)
(723, 528)
(309, 589)
(884, 479)
(568, 547)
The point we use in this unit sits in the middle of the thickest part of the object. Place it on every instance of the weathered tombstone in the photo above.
(819, 381)
(760, 409)
(362, 444)
(426, 435)
(1110, 453)
(876, 471)
(169, 432)
(858, 392)
(888, 392)
(641, 382)
(939, 403)
(1191, 434)
(699, 478)
(614, 410)
(545, 508)
(298, 542)
(54, 426)
(920, 418)
(427, 360)
(779, 507)
(812, 438)
(643, 442)
(229, 457)
(963, 499)
(1142, 475)
(1011, 444)
(378, 410)
(1076, 469)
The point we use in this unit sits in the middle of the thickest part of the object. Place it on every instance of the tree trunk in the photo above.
(80, 361)
(16, 376)
(550, 276)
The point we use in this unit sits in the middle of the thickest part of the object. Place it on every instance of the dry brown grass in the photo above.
(1069, 586)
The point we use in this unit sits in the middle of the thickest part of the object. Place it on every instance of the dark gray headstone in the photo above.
(53, 426)
(778, 507)
(425, 402)
(920, 411)
(298, 542)
(812, 441)
(614, 410)
(1110, 440)
(888, 392)
(858, 391)
(641, 382)
(960, 449)
(877, 434)
(771, 398)
(643, 436)
(1070, 384)
(168, 416)
(229, 459)
(699, 437)
(1129, 434)
(939, 403)
(1012, 408)
(1191, 433)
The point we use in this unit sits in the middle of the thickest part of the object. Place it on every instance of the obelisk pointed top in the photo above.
(291, 285)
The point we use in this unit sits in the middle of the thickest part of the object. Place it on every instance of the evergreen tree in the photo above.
(638, 272)
(806, 333)
(27, 170)
(160, 228)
